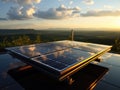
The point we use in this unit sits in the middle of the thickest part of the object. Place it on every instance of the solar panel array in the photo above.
(59, 55)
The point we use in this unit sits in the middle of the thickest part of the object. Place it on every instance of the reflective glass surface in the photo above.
(37, 49)
(60, 55)
(64, 58)
(7, 62)
(89, 47)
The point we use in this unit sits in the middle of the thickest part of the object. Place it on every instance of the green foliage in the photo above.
(22, 40)
(5, 43)
(18, 41)
(116, 46)
(38, 40)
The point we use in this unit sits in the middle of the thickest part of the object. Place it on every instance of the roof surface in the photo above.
(16, 75)
(110, 81)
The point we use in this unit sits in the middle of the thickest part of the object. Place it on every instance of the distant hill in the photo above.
(16, 31)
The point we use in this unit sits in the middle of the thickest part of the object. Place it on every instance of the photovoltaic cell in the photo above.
(89, 47)
(69, 56)
(38, 49)
(64, 58)
(60, 56)
(50, 63)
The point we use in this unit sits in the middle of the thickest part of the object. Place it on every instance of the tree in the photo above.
(116, 45)
(37, 40)
(22, 40)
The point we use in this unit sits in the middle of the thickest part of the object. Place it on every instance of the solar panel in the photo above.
(64, 58)
(84, 46)
(30, 51)
(60, 58)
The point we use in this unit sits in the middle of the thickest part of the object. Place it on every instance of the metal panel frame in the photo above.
(58, 74)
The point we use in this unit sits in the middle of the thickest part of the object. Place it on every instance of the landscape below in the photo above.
(18, 37)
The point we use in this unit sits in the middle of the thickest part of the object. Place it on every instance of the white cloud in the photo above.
(108, 7)
(61, 12)
(88, 2)
(60, 0)
(22, 9)
(37, 1)
(71, 2)
(23, 2)
(61, 8)
(18, 13)
(98, 13)
(64, 8)
(77, 8)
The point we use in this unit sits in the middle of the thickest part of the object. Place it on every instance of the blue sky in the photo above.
(43, 14)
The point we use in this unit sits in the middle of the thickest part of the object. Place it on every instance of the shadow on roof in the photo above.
(30, 78)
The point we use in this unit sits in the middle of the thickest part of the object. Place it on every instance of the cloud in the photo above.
(22, 9)
(16, 13)
(22, 2)
(88, 2)
(71, 2)
(60, 0)
(64, 8)
(49, 14)
(61, 8)
(3, 19)
(98, 13)
(108, 7)
(61, 12)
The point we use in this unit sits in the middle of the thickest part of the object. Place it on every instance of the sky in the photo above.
(44, 14)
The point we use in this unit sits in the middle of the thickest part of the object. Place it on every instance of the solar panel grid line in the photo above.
(80, 66)
(48, 53)
(36, 64)
(83, 45)
(27, 57)
(53, 59)
(44, 68)
(75, 64)
(34, 59)
(12, 51)
(67, 58)
(47, 65)
(87, 43)
(34, 44)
